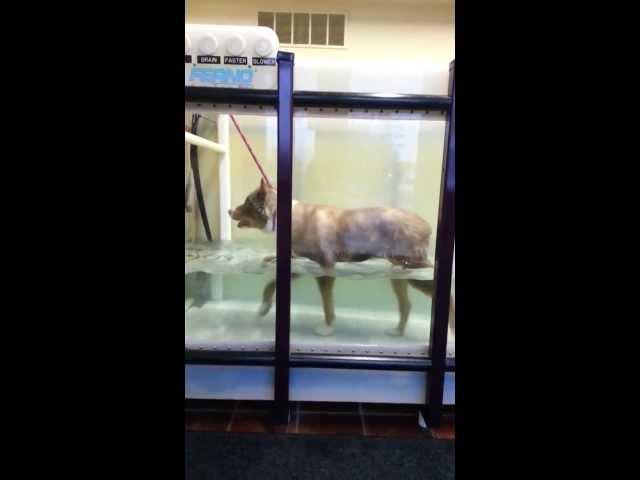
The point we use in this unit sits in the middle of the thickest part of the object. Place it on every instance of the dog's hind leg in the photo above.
(267, 295)
(326, 290)
(400, 288)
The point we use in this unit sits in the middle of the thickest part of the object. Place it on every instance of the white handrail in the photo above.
(203, 142)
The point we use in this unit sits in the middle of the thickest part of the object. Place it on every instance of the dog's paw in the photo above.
(264, 309)
(395, 332)
(324, 330)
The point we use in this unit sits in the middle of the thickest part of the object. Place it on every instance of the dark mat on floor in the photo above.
(216, 455)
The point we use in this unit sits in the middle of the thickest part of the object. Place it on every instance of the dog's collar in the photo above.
(273, 219)
(271, 224)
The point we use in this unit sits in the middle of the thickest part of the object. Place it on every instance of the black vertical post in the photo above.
(443, 268)
(283, 234)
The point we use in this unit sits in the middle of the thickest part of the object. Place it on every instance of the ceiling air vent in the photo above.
(306, 29)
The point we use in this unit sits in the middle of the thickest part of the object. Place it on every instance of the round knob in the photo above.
(187, 44)
(208, 44)
(236, 45)
(264, 47)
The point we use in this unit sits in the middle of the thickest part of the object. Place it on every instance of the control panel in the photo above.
(230, 57)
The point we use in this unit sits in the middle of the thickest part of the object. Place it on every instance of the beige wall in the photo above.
(400, 29)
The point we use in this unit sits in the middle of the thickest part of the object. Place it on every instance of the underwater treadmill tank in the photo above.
(342, 159)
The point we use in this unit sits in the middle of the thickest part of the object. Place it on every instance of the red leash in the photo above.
(264, 175)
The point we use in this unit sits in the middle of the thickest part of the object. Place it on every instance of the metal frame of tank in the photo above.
(284, 100)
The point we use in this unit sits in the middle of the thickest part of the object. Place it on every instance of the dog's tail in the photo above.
(426, 287)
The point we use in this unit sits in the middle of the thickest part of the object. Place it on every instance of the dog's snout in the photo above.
(230, 213)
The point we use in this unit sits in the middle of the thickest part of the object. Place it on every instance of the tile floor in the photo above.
(316, 418)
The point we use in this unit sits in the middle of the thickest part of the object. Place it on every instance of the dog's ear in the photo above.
(263, 185)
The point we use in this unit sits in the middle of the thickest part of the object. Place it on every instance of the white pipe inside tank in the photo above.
(224, 177)
(203, 142)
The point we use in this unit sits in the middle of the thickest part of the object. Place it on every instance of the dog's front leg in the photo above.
(267, 298)
(267, 295)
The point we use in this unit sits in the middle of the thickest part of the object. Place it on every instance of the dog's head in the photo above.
(257, 209)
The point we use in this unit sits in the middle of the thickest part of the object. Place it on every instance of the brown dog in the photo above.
(328, 235)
